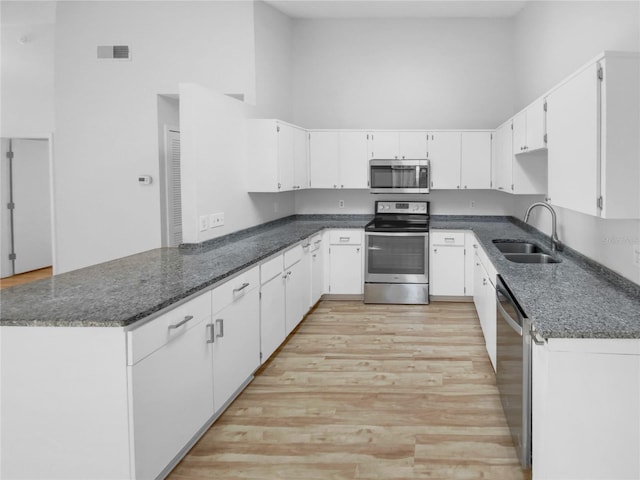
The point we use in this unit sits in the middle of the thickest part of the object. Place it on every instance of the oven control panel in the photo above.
(402, 207)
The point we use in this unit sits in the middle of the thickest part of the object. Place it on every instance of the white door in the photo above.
(536, 126)
(324, 158)
(298, 291)
(447, 270)
(520, 133)
(444, 155)
(285, 157)
(345, 268)
(300, 159)
(353, 160)
(173, 188)
(475, 163)
(503, 153)
(32, 199)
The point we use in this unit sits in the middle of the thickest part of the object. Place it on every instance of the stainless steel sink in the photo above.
(530, 258)
(517, 247)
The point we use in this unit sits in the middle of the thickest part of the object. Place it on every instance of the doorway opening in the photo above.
(26, 243)
(170, 173)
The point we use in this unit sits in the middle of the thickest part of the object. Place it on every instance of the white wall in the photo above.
(106, 111)
(442, 202)
(406, 73)
(552, 39)
(213, 138)
(27, 54)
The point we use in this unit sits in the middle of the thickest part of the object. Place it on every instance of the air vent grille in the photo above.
(115, 52)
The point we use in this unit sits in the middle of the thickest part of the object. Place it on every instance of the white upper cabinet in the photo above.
(529, 128)
(444, 156)
(338, 159)
(593, 121)
(399, 145)
(502, 170)
(475, 160)
(276, 156)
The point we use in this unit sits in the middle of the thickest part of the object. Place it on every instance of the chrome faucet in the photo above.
(555, 243)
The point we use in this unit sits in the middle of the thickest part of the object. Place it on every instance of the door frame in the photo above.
(49, 138)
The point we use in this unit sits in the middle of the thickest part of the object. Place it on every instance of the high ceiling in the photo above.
(397, 8)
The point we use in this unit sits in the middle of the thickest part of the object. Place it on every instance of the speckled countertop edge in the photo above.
(577, 298)
(123, 291)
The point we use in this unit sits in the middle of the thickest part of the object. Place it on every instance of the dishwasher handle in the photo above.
(502, 295)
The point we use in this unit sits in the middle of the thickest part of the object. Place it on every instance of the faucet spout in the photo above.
(555, 243)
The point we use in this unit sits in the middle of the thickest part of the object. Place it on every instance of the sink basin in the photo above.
(530, 258)
(517, 247)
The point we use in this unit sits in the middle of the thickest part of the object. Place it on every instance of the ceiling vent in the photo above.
(114, 52)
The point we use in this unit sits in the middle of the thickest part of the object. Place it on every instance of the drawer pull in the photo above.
(345, 239)
(306, 246)
(449, 239)
(220, 321)
(317, 242)
(182, 322)
(244, 285)
(212, 336)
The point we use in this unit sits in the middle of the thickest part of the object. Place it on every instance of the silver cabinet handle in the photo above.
(537, 339)
(435, 250)
(220, 321)
(314, 255)
(284, 276)
(345, 239)
(484, 281)
(212, 336)
(500, 188)
(306, 246)
(449, 239)
(358, 250)
(475, 245)
(317, 242)
(181, 322)
(244, 285)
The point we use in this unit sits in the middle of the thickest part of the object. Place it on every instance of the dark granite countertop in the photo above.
(123, 291)
(576, 298)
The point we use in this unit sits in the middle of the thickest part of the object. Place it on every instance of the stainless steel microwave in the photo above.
(399, 176)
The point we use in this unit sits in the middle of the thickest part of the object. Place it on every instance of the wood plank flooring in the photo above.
(26, 277)
(366, 392)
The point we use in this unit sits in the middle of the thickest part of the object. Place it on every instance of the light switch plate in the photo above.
(636, 254)
(204, 222)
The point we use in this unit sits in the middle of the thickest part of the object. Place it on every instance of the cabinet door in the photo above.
(236, 348)
(412, 145)
(444, 154)
(354, 160)
(300, 159)
(478, 291)
(447, 270)
(536, 126)
(324, 159)
(345, 269)
(172, 397)
(520, 133)
(262, 155)
(298, 288)
(503, 154)
(273, 329)
(489, 317)
(475, 163)
(317, 275)
(285, 157)
(385, 145)
(572, 126)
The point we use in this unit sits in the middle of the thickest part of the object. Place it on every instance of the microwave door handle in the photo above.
(418, 176)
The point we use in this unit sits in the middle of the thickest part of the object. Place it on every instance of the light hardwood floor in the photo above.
(25, 277)
(366, 392)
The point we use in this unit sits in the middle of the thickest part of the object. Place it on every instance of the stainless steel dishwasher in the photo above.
(513, 369)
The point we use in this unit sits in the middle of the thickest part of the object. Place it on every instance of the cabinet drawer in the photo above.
(167, 327)
(270, 269)
(345, 237)
(447, 238)
(235, 288)
(292, 256)
(315, 242)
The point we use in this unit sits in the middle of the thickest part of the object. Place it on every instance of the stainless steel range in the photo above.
(397, 253)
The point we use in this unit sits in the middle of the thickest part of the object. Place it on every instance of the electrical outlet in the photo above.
(276, 207)
(636, 254)
(204, 222)
(340, 203)
(472, 204)
(217, 220)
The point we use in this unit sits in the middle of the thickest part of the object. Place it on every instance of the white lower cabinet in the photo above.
(234, 334)
(345, 262)
(297, 287)
(585, 415)
(316, 252)
(172, 397)
(273, 329)
(171, 384)
(447, 263)
(484, 298)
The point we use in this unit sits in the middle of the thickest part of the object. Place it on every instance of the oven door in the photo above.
(396, 257)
